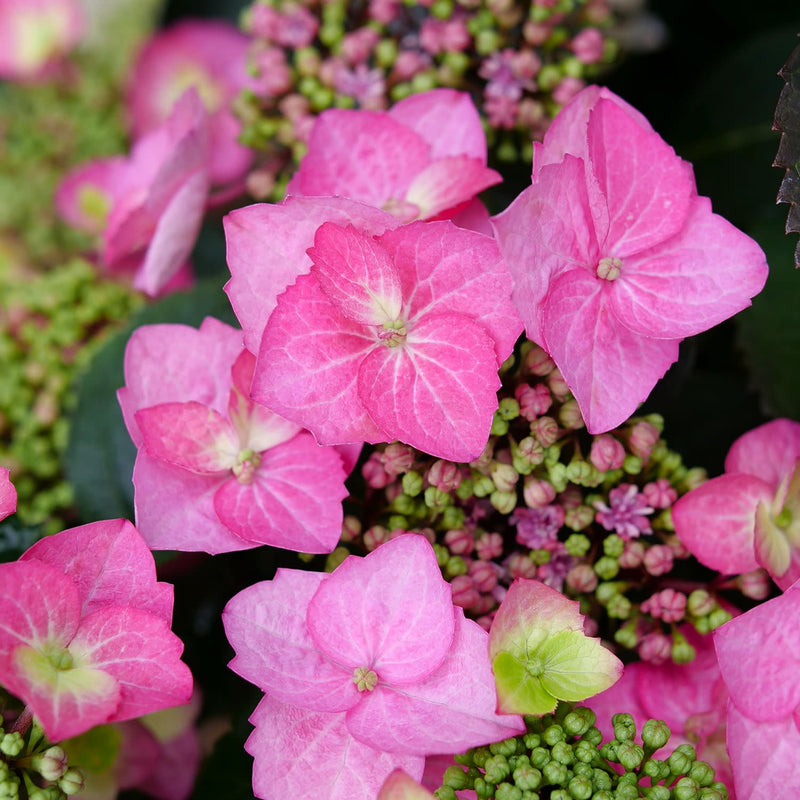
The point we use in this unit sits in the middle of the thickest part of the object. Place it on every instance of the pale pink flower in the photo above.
(659, 494)
(667, 605)
(209, 56)
(8, 494)
(396, 336)
(615, 258)
(759, 658)
(148, 207)
(35, 35)
(423, 158)
(85, 630)
(750, 516)
(588, 45)
(606, 453)
(374, 656)
(215, 471)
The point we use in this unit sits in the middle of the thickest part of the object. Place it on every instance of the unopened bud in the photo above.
(51, 763)
(655, 734)
(71, 781)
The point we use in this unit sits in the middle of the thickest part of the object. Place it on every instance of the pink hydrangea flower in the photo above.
(627, 512)
(424, 158)
(85, 633)
(615, 258)
(215, 471)
(35, 35)
(396, 336)
(750, 516)
(373, 657)
(147, 207)
(8, 494)
(209, 56)
(759, 658)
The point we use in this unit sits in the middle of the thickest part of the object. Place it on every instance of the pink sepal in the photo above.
(302, 753)
(8, 494)
(454, 708)
(266, 250)
(110, 564)
(763, 756)
(759, 656)
(390, 611)
(101, 177)
(266, 626)
(716, 521)
(769, 451)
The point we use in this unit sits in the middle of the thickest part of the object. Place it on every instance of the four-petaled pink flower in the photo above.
(215, 471)
(85, 630)
(759, 657)
(615, 258)
(424, 158)
(750, 516)
(366, 669)
(396, 336)
(147, 207)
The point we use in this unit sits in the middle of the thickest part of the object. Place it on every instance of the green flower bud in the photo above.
(626, 792)
(479, 756)
(404, 504)
(436, 499)
(655, 734)
(700, 603)
(483, 486)
(624, 727)
(606, 567)
(507, 747)
(554, 734)
(12, 744)
(71, 781)
(562, 752)
(540, 757)
(549, 77)
(453, 518)
(702, 773)
(720, 788)
(577, 544)
(579, 518)
(619, 607)
(496, 769)
(613, 545)
(579, 720)
(632, 465)
(455, 778)
(719, 616)
(602, 781)
(507, 791)
(681, 760)
(51, 763)
(483, 789)
(531, 740)
(504, 502)
(629, 754)
(455, 566)
(554, 773)
(626, 635)
(686, 789)
(580, 788)
(585, 752)
(682, 652)
(499, 426)
(508, 408)
(658, 793)
(445, 793)
(527, 777)
(412, 483)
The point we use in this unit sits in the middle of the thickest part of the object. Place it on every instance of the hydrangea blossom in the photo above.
(215, 471)
(148, 206)
(759, 657)
(8, 494)
(395, 336)
(615, 258)
(540, 654)
(209, 56)
(424, 158)
(35, 34)
(85, 630)
(750, 516)
(369, 668)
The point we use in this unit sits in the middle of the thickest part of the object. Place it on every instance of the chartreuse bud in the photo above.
(540, 654)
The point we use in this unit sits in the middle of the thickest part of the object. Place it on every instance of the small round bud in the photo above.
(455, 778)
(658, 793)
(702, 773)
(497, 769)
(613, 545)
(606, 567)
(412, 483)
(51, 763)
(527, 777)
(681, 760)
(629, 754)
(71, 781)
(554, 734)
(506, 791)
(624, 727)
(12, 744)
(686, 789)
(655, 734)
(554, 773)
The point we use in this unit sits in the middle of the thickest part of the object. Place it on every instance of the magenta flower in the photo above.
(615, 258)
(396, 336)
(35, 35)
(148, 206)
(215, 471)
(85, 630)
(750, 516)
(8, 494)
(627, 514)
(759, 657)
(209, 56)
(424, 158)
(373, 657)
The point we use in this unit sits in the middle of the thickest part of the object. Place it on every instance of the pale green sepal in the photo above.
(576, 667)
(518, 691)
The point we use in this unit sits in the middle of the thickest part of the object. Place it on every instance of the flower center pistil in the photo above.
(246, 465)
(364, 679)
(393, 333)
(608, 268)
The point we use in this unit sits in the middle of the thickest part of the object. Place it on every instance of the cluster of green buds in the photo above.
(588, 515)
(562, 756)
(520, 61)
(51, 324)
(31, 768)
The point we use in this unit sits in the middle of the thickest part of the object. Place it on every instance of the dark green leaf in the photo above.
(100, 455)
(787, 120)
